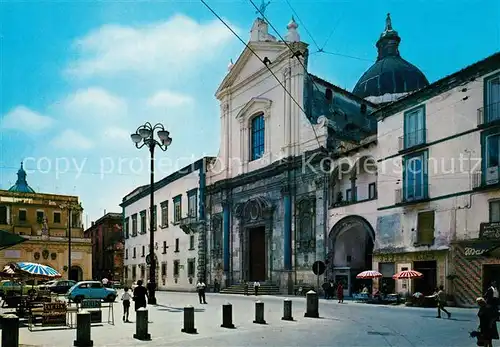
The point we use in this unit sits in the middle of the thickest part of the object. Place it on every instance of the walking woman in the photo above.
(487, 323)
(340, 293)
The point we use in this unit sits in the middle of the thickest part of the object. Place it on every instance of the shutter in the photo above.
(425, 228)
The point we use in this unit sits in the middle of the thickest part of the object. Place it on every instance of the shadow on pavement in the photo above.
(177, 309)
(454, 319)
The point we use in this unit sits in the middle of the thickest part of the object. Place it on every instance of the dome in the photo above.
(21, 185)
(391, 74)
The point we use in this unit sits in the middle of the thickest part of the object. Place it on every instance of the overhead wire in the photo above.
(301, 23)
(263, 62)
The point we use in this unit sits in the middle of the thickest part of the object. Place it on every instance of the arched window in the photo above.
(257, 137)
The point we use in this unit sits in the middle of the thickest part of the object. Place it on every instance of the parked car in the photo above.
(9, 286)
(58, 286)
(91, 290)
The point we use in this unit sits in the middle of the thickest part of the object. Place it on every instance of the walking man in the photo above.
(440, 297)
(492, 296)
(201, 286)
(256, 286)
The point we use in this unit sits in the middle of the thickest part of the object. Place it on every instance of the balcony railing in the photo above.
(189, 224)
(486, 178)
(402, 198)
(477, 179)
(412, 139)
(488, 114)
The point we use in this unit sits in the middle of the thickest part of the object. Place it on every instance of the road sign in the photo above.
(148, 259)
(319, 268)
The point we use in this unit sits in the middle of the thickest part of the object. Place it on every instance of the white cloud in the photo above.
(23, 119)
(114, 134)
(93, 103)
(71, 139)
(178, 43)
(165, 98)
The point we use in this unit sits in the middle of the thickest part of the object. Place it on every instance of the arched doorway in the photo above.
(350, 249)
(76, 273)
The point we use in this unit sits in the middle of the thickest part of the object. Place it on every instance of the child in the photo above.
(126, 304)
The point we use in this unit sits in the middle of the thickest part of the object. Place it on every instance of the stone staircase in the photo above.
(265, 289)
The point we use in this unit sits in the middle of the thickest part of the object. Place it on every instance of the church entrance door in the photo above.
(257, 254)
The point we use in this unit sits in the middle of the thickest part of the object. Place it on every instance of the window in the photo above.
(425, 228)
(176, 268)
(133, 253)
(22, 216)
(163, 269)
(414, 127)
(495, 211)
(96, 285)
(164, 214)
(328, 94)
(177, 245)
(126, 254)
(164, 247)
(415, 177)
(57, 217)
(177, 208)
(155, 217)
(191, 267)
(348, 195)
(125, 272)
(257, 137)
(143, 222)
(127, 228)
(143, 251)
(191, 242)
(192, 203)
(372, 190)
(40, 215)
(3, 214)
(134, 272)
(134, 225)
(492, 98)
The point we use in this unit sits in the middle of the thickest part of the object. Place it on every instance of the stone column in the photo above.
(226, 238)
(287, 231)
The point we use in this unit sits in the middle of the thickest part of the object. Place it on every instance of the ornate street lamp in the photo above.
(145, 136)
(70, 206)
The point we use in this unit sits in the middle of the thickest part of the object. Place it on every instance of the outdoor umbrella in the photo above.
(8, 239)
(370, 274)
(35, 269)
(407, 275)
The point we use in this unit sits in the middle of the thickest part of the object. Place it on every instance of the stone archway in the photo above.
(350, 249)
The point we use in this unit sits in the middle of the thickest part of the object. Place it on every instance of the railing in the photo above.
(412, 139)
(488, 114)
(400, 196)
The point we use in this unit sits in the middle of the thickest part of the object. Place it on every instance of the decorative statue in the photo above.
(263, 7)
(388, 23)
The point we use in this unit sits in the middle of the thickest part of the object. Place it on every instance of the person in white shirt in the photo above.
(492, 296)
(256, 286)
(201, 286)
(126, 297)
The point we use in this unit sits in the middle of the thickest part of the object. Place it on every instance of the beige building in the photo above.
(45, 220)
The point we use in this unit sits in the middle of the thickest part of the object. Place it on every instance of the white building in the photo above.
(179, 249)
(438, 158)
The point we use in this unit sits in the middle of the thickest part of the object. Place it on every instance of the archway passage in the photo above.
(350, 246)
(76, 274)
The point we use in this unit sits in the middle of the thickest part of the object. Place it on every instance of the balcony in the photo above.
(489, 178)
(190, 224)
(413, 195)
(412, 140)
(488, 114)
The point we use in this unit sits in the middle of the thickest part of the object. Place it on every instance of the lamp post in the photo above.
(70, 206)
(145, 136)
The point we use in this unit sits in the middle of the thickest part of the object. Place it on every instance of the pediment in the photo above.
(255, 104)
(248, 65)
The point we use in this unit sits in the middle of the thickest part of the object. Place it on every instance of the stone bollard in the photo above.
(312, 305)
(83, 330)
(227, 316)
(10, 324)
(141, 325)
(287, 310)
(259, 313)
(189, 321)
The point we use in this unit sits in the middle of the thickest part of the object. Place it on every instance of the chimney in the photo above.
(92, 223)
(104, 211)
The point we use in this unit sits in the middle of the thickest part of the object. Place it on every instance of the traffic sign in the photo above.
(319, 268)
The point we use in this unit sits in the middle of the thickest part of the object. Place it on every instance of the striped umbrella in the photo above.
(369, 274)
(35, 269)
(407, 275)
(8, 271)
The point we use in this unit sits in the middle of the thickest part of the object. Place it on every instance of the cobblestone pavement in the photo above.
(349, 324)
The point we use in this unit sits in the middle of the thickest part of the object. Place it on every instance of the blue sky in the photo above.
(78, 76)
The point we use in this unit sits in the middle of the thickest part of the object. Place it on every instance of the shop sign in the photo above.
(478, 249)
(489, 230)
(405, 257)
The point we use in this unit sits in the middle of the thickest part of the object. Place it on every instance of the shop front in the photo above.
(432, 264)
(475, 264)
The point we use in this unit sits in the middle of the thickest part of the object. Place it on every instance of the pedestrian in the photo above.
(340, 293)
(325, 287)
(140, 296)
(126, 297)
(492, 296)
(440, 297)
(245, 288)
(216, 286)
(201, 286)
(487, 323)
(256, 286)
